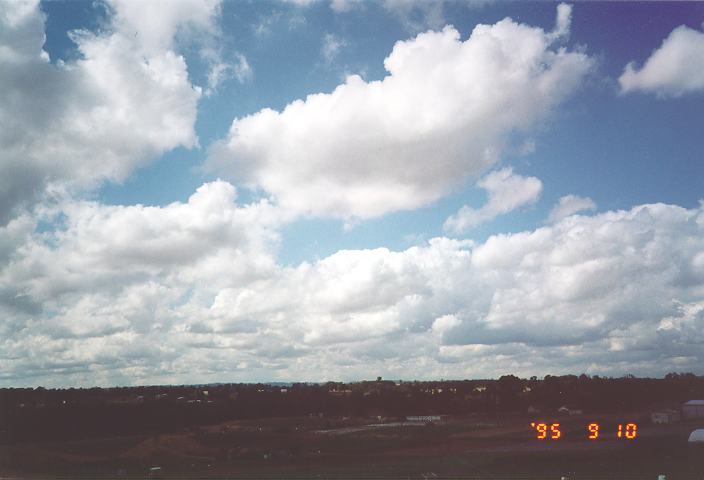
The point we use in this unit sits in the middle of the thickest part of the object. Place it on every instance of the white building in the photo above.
(693, 409)
(697, 436)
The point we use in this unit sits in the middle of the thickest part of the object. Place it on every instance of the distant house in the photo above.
(569, 411)
(693, 409)
(666, 416)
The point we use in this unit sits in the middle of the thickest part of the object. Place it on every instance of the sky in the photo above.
(314, 190)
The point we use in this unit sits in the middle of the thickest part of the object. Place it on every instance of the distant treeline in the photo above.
(51, 414)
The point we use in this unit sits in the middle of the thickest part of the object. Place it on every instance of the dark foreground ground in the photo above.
(313, 447)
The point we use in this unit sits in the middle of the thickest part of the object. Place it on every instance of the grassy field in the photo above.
(319, 447)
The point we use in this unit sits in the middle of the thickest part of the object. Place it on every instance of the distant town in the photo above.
(286, 427)
(27, 413)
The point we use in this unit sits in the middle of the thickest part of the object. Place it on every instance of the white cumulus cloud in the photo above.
(506, 192)
(125, 100)
(159, 23)
(674, 69)
(569, 205)
(564, 20)
(192, 292)
(438, 118)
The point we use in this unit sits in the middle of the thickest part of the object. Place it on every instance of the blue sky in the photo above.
(314, 190)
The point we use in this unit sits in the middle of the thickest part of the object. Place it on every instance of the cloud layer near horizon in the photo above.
(193, 290)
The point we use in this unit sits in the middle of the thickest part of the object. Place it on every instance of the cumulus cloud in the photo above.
(126, 99)
(158, 24)
(569, 205)
(506, 192)
(110, 281)
(99, 244)
(564, 20)
(192, 292)
(676, 68)
(439, 118)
